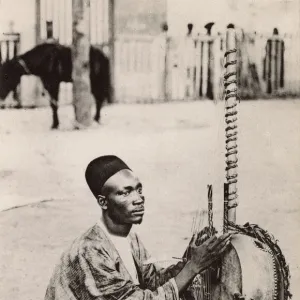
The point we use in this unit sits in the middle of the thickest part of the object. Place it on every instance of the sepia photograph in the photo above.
(150, 149)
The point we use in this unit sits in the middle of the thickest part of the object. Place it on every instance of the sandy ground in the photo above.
(176, 149)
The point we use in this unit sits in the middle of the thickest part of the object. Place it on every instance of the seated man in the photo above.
(109, 261)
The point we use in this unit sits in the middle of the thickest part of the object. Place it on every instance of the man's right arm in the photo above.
(185, 276)
(103, 281)
(200, 257)
(99, 278)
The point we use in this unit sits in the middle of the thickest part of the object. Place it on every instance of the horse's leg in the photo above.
(53, 89)
(16, 96)
(99, 103)
(54, 107)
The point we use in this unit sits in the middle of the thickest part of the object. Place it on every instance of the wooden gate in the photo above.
(139, 68)
(162, 68)
(195, 68)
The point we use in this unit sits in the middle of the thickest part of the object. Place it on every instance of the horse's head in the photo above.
(10, 74)
(45, 61)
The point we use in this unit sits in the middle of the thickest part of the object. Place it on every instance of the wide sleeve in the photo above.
(152, 275)
(102, 280)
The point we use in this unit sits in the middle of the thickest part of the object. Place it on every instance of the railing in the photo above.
(9, 48)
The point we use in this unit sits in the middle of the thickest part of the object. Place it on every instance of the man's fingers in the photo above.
(220, 248)
(223, 238)
(214, 242)
(223, 249)
(222, 243)
(211, 240)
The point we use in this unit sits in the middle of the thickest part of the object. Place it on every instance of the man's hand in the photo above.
(201, 257)
(206, 253)
(200, 237)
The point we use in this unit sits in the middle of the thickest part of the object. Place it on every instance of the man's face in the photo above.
(124, 198)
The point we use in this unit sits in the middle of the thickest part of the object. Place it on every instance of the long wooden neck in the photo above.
(230, 83)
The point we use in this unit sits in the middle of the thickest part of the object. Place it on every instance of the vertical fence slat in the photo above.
(281, 65)
(93, 22)
(43, 8)
(273, 64)
(56, 19)
(205, 68)
(201, 93)
(100, 21)
(69, 21)
(277, 63)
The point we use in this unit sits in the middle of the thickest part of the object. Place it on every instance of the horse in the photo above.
(52, 63)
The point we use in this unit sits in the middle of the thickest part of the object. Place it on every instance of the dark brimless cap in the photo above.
(100, 170)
